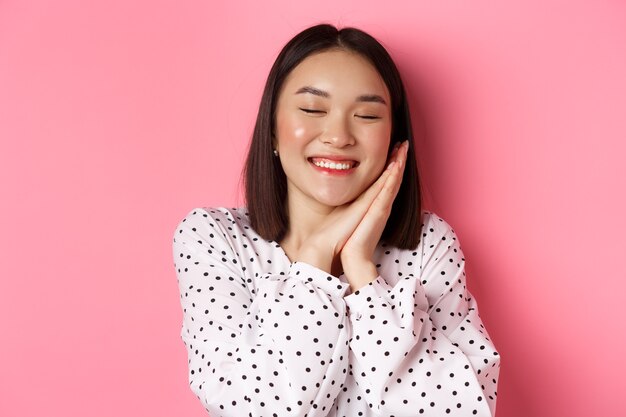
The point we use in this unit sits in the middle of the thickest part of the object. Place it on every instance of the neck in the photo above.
(304, 218)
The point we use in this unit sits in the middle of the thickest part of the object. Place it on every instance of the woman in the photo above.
(332, 293)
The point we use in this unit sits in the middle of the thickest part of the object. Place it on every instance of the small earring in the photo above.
(275, 152)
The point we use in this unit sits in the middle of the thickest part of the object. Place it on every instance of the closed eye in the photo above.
(320, 111)
(310, 110)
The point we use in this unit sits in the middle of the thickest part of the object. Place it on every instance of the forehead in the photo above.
(338, 72)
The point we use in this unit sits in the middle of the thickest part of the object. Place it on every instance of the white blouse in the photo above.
(267, 337)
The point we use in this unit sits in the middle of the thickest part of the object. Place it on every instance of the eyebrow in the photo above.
(371, 98)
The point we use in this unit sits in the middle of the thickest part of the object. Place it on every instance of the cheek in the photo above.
(294, 131)
(378, 139)
(299, 132)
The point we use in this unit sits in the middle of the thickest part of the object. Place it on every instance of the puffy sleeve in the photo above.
(420, 346)
(280, 348)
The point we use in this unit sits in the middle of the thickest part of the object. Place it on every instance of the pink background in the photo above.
(117, 117)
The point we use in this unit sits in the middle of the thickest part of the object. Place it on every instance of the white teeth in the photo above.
(333, 165)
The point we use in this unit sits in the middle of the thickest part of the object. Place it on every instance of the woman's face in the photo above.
(333, 110)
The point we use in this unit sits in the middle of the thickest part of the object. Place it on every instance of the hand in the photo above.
(329, 239)
(356, 254)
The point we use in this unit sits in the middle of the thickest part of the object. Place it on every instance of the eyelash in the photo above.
(319, 111)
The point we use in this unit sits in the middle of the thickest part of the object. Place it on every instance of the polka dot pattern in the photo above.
(267, 337)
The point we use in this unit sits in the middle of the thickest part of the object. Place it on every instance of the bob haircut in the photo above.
(265, 180)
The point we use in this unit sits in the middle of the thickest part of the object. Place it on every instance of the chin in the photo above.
(336, 201)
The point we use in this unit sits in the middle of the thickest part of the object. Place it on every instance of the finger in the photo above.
(401, 166)
(393, 154)
(392, 184)
(402, 151)
(366, 198)
(373, 222)
(378, 185)
(380, 194)
(360, 205)
(388, 193)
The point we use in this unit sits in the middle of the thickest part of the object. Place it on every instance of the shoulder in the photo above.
(206, 222)
(439, 241)
(435, 227)
(217, 216)
(433, 230)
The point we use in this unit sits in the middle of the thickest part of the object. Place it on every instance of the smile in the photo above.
(333, 167)
(339, 165)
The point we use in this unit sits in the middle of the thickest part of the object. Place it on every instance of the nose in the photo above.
(337, 132)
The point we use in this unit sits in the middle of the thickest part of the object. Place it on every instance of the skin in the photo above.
(337, 221)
